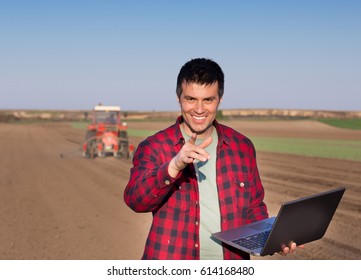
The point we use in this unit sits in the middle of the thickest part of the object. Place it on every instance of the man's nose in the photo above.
(199, 107)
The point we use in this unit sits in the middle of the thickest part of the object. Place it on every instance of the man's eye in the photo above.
(208, 100)
(190, 100)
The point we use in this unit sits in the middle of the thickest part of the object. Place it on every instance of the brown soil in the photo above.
(72, 208)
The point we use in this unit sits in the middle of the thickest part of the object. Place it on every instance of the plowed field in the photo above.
(72, 208)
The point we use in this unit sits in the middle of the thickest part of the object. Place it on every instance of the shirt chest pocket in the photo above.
(180, 199)
(244, 187)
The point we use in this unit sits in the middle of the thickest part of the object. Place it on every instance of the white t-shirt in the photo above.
(209, 203)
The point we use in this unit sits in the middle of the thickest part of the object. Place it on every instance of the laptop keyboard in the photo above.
(253, 241)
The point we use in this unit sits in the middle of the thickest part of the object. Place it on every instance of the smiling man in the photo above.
(196, 176)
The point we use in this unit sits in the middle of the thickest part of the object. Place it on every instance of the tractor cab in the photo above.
(106, 115)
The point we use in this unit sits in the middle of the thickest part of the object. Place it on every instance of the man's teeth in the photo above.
(198, 118)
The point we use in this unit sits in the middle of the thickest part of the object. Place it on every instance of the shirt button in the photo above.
(196, 223)
(196, 245)
(241, 184)
(167, 182)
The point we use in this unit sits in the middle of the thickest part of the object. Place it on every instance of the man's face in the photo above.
(199, 104)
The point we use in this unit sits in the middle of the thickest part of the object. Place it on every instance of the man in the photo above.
(197, 176)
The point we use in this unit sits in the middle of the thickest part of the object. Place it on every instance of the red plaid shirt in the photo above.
(174, 233)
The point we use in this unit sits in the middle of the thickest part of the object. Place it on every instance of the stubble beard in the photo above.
(198, 132)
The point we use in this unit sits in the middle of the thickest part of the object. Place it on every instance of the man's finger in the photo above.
(293, 247)
(193, 138)
(206, 142)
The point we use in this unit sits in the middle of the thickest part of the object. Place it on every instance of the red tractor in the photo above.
(107, 134)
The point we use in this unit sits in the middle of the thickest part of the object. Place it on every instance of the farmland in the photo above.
(72, 208)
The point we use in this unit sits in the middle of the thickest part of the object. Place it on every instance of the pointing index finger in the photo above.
(193, 138)
(206, 142)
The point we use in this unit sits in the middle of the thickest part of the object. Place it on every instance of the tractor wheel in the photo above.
(101, 154)
(123, 149)
(92, 149)
(123, 134)
(90, 134)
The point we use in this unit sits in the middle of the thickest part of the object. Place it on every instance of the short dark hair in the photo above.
(201, 71)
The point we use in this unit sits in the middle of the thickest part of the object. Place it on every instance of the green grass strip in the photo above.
(79, 125)
(131, 132)
(140, 132)
(337, 149)
(343, 123)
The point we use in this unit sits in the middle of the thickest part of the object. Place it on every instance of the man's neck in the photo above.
(208, 132)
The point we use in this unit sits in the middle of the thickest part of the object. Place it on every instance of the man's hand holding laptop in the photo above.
(291, 249)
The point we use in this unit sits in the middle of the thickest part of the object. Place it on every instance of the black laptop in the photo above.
(301, 221)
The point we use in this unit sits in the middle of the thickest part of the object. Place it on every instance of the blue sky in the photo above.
(275, 54)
